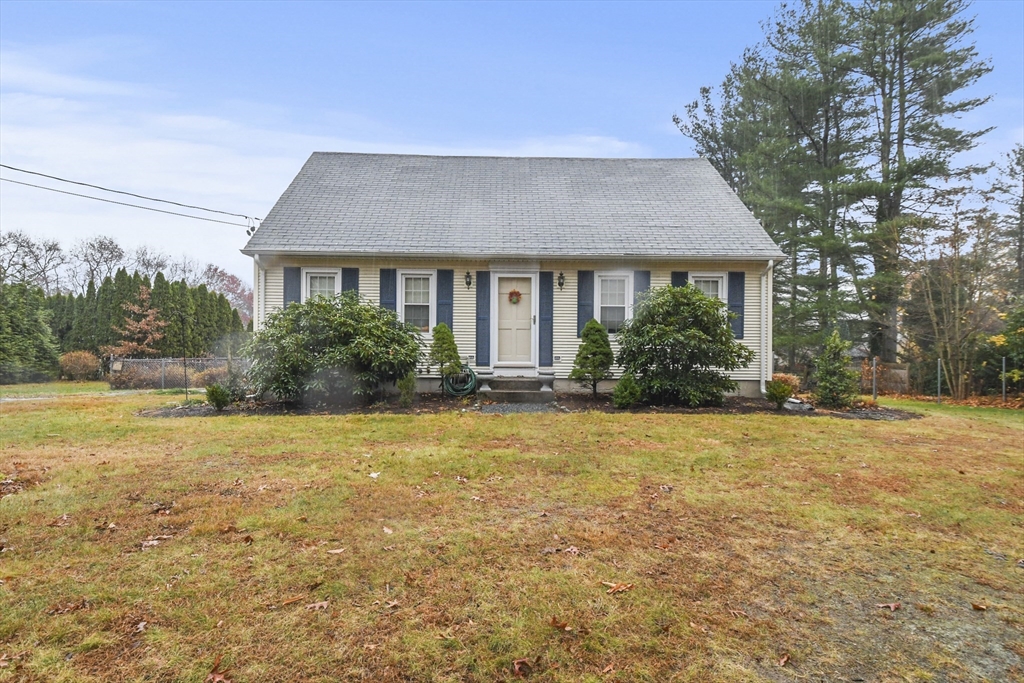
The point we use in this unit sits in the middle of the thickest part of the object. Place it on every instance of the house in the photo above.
(516, 254)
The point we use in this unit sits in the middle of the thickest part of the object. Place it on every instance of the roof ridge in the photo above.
(496, 156)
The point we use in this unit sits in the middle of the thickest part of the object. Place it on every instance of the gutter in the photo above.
(477, 256)
(766, 332)
(261, 291)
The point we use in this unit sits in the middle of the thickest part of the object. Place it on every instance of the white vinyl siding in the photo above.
(566, 343)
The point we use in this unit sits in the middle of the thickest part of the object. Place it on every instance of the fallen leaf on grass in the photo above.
(247, 540)
(374, 475)
(292, 601)
(784, 659)
(524, 667)
(336, 551)
(572, 550)
(229, 529)
(560, 625)
(68, 608)
(891, 606)
(610, 669)
(617, 587)
(388, 531)
(140, 627)
(60, 521)
(153, 541)
(216, 675)
(698, 628)
(978, 607)
(319, 606)
(738, 613)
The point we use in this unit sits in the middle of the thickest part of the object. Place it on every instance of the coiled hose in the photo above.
(462, 384)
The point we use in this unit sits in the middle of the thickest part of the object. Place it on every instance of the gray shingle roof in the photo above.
(510, 207)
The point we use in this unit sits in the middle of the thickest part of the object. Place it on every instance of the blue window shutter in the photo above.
(446, 298)
(483, 317)
(737, 283)
(680, 278)
(547, 319)
(350, 280)
(292, 285)
(584, 299)
(641, 283)
(389, 289)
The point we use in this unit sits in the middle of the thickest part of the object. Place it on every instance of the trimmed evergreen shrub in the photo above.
(627, 392)
(443, 352)
(777, 392)
(837, 385)
(218, 397)
(407, 390)
(792, 380)
(679, 347)
(594, 358)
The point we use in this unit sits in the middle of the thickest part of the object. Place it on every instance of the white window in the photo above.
(320, 283)
(711, 284)
(417, 298)
(614, 299)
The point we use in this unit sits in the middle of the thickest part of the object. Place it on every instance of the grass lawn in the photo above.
(49, 389)
(467, 547)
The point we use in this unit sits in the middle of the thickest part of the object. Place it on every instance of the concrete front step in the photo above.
(517, 396)
(515, 384)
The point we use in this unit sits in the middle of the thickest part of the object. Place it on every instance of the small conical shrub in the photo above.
(836, 383)
(594, 358)
(444, 353)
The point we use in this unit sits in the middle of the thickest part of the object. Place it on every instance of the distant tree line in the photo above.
(46, 310)
(844, 131)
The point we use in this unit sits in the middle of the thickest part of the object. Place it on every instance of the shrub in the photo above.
(205, 378)
(777, 392)
(836, 383)
(407, 390)
(218, 397)
(679, 346)
(627, 392)
(79, 366)
(332, 347)
(594, 358)
(444, 353)
(792, 380)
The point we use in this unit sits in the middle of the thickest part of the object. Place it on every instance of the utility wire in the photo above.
(130, 194)
(135, 206)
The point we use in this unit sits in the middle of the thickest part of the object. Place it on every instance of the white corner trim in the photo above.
(766, 336)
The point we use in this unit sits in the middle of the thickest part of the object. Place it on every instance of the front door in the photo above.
(515, 320)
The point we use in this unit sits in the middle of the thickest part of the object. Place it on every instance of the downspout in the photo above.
(261, 292)
(766, 335)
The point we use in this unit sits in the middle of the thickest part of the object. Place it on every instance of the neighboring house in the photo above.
(447, 239)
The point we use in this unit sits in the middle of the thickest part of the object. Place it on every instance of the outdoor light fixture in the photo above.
(469, 279)
(561, 279)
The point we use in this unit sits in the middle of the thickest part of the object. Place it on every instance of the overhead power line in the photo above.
(135, 206)
(130, 194)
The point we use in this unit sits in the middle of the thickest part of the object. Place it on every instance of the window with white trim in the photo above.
(418, 298)
(324, 283)
(710, 284)
(614, 299)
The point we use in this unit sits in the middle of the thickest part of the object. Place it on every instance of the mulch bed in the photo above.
(567, 403)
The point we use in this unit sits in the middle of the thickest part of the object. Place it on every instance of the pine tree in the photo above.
(594, 358)
(836, 383)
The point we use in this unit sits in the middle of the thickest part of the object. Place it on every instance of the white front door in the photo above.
(515, 320)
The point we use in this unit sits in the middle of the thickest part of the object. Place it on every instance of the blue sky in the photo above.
(219, 104)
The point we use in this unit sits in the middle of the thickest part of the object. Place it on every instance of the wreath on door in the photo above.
(515, 296)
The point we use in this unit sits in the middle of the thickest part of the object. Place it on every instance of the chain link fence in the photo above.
(172, 373)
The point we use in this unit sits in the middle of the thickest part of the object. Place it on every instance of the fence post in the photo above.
(1004, 379)
(874, 378)
(163, 371)
(938, 385)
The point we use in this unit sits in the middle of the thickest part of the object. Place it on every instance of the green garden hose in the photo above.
(462, 384)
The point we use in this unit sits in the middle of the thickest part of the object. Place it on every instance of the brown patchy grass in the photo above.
(747, 538)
